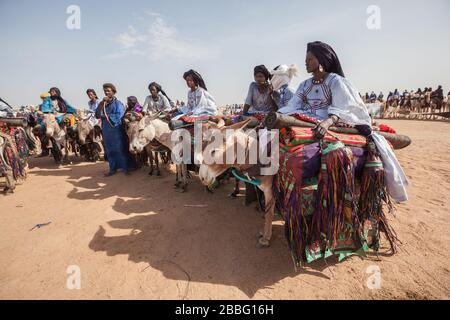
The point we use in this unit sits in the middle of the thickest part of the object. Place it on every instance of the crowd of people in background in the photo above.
(401, 99)
(270, 91)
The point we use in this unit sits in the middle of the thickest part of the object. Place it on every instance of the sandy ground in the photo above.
(134, 238)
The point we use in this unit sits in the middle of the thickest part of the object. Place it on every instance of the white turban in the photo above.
(283, 75)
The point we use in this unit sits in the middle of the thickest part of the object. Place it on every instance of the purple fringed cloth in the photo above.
(295, 194)
(336, 227)
(298, 188)
(373, 200)
(20, 138)
(13, 159)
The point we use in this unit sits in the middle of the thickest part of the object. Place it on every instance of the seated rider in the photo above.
(56, 104)
(133, 105)
(157, 101)
(93, 104)
(259, 97)
(330, 98)
(200, 101)
(281, 79)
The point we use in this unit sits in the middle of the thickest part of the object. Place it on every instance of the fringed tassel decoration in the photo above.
(373, 196)
(288, 196)
(12, 158)
(21, 143)
(336, 209)
(23, 151)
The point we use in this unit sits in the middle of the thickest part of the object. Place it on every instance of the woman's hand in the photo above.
(321, 129)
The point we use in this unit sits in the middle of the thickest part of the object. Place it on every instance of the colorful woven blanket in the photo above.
(296, 188)
(296, 136)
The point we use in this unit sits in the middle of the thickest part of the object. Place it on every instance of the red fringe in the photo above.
(373, 198)
(336, 209)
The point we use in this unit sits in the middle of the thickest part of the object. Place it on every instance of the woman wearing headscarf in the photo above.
(328, 96)
(46, 105)
(60, 105)
(259, 97)
(93, 104)
(200, 102)
(93, 100)
(281, 79)
(111, 112)
(157, 101)
(133, 105)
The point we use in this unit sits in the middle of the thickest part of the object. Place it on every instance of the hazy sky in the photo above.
(132, 43)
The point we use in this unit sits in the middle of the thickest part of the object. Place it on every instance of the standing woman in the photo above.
(157, 101)
(111, 112)
(259, 98)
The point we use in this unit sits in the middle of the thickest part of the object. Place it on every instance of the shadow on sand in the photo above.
(194, 237)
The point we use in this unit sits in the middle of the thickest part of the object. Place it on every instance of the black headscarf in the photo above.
(326, 56)
(61, 103)
(159, 89)
(262, 69)
(132, 101)
(197, 78)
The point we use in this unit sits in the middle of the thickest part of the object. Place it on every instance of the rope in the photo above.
(255, 182)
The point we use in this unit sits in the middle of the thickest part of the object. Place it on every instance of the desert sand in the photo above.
(137, 238)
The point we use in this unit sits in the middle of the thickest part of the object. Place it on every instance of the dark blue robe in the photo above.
(114, 136)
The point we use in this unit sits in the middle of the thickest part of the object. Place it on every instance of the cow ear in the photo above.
(143, 123)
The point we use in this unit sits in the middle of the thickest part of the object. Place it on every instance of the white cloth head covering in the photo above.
(283, 75)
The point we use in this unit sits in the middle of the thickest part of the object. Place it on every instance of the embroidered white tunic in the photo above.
(200, 102)
(337, 96)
